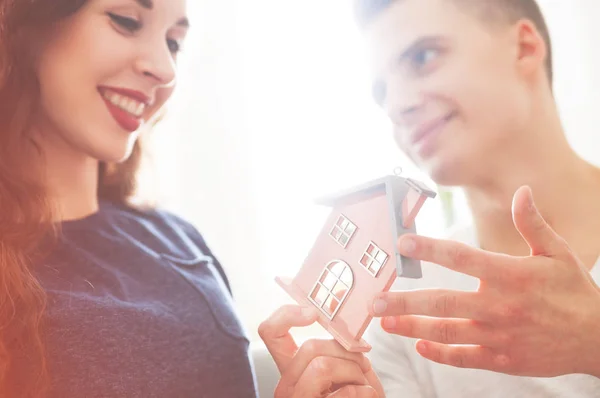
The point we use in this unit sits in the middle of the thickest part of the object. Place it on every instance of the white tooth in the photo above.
(125, 103)
(130, 106)
(115, 99)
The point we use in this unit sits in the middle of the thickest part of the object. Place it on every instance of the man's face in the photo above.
(450, 85)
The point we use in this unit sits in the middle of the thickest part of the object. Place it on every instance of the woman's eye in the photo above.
(129, 24)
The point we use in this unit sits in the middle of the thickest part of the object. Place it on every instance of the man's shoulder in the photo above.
(464, 233)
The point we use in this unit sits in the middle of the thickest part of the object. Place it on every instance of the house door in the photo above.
(332, 287)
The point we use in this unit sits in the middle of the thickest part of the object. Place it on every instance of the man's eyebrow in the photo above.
(378, 87)
(148, 4)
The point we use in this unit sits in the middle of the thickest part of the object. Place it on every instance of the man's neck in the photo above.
(566, 190)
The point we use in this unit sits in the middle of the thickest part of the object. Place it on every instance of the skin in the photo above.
(446, 75)
(541, 285)
(76, 132)
(92, 49)
(320, 367)
(523, 306)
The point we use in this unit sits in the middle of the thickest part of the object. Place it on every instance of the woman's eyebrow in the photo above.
(149, 4)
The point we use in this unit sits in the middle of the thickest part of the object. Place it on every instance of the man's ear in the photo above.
(531, 49)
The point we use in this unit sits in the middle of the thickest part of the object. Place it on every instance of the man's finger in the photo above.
(472, 357)
(445, 331)
(429, 302)
(540, 237)
(320, 376)
(453, 255)
(355, 392)
(320, 348)
(275, 332)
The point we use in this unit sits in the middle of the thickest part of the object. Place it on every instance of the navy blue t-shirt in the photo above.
(139, 307)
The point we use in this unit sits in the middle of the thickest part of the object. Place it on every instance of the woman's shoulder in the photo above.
(151, 228)
(161, 219)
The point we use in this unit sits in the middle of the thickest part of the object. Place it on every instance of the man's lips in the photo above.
(425, 129)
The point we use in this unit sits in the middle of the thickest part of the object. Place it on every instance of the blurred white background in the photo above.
(273, 109)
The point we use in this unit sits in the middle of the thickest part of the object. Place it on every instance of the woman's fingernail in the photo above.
(389, 322)
(379, 306)
(407, 245)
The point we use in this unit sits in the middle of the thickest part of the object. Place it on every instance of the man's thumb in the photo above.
(540, 237)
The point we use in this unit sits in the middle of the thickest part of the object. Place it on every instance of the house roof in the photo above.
(374, 187)
(395, 188)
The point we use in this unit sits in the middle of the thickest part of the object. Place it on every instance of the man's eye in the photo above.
(126, 23)
(422, 58)
(174, 46)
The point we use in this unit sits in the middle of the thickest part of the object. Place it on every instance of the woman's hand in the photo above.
(319, 368)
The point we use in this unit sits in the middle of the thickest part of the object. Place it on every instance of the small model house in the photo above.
(355, 255)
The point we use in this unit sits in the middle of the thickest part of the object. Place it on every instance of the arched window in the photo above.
(332, 287)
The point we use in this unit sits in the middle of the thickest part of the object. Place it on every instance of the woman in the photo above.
(99, 298)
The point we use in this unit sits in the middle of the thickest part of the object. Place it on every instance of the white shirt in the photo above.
(405, 374)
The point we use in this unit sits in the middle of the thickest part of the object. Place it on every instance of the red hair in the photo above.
(26, 213)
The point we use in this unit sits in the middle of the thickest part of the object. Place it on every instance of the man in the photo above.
(467, 84)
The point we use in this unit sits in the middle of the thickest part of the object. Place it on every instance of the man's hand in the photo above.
(319, 368)
(537, 315)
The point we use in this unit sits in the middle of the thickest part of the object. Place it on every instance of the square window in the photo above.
(342, 231)
(343, 240)
(364, 260)
(336, 233)
(350, 229)
(373, 259)
(371, 249)
(381, 257)
(375, 267)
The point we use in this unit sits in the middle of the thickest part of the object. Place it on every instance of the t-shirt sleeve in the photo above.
(392, 364)
(403, 372)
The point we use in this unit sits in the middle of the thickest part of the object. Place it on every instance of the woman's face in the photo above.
(106, 70)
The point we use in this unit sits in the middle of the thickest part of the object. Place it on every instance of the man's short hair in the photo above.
(507, 11)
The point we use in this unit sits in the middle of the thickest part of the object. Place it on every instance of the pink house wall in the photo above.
(373, 221)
